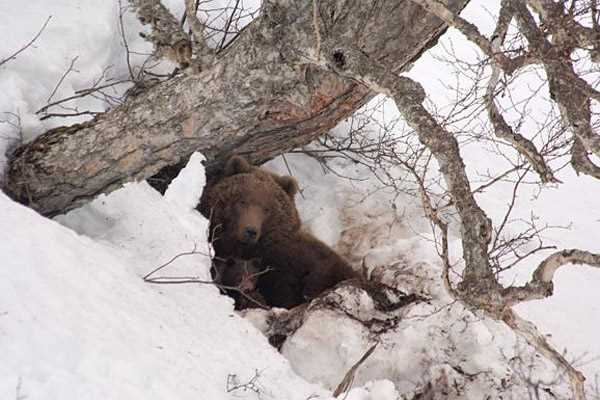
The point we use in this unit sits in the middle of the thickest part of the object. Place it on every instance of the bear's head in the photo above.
(239, 165)
(249, 204)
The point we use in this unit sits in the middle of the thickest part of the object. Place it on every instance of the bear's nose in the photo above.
(250, 233)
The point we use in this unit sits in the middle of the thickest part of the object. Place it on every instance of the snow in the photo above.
(570, 317)
(186, 188)
(77, 320)
(429, 341)
(75, 29)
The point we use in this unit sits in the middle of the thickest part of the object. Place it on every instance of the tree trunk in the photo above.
(258, 99)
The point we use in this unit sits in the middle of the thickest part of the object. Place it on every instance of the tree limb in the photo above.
(169, 39)
(201, 49)
(261, 97)
(22, 49)
(500, 63)
(528, 331)
(553, 12)
(581, 162)
(476, 231)
(471, 32)
(566, 87)
(541, 284)
(501, 127)
(479, 288)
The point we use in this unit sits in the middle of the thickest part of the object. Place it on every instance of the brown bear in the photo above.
(238, 279)
(238, 165)
(246, 205)
(253, 216)
(299, 268)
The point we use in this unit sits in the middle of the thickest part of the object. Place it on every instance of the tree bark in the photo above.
(258, 98)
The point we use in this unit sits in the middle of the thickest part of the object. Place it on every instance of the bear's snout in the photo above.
(251, 219)
(250, 234)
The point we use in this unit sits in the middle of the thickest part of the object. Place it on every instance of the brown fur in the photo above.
(240, 274)
(253, 216)
(302, 268)
(238, 165)
(244, 209)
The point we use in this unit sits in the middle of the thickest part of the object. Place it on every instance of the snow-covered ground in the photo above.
(77, 321)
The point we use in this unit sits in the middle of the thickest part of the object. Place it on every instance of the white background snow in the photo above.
(78, 322)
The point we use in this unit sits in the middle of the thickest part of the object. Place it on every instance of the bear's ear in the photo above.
(289, 184)
(236, 165)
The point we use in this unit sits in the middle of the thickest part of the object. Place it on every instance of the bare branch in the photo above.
(62, 78)
(528, 331)
(124, 41)
(479, 288)
(476, 229)
(200, 47)
(434, 216)
(465, 27)
(566, 88)
(177, 280)
(552, 12)
(346, 384)
(541, 284)
(80, 94)
(581, 162)
(67, 115)
(22, 49)
(167, 36)
(518, 141)
(472, 33)
(228, 25)
(252, 384)
(499, 63)
(504, 19)
(546, 270)
(187, 253)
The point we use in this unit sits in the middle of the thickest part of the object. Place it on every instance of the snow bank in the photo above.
(78, 322)
(433, 341)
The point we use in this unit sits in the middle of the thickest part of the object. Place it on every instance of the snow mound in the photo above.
(434, 344)
(186, 189)
(429, 343)
(77, 321)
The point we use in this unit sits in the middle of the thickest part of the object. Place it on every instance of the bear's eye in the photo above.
(242, 202)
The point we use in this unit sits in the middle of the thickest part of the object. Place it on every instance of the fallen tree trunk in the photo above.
(257, 98)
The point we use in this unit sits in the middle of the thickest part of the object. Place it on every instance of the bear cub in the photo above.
(255, 228)
(238, 279)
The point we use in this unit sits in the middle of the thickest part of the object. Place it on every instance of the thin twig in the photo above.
(228, 24)
(22, 49)
(62, 78)
(124, 40)
(185, 279)
(187, 253)
(346, 383)
(80, 94)
(167, 280)
(68, 115)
